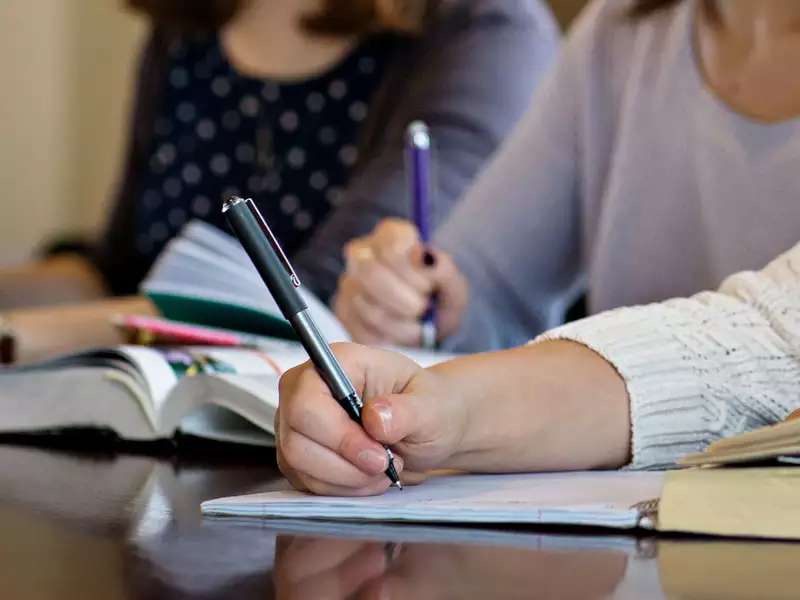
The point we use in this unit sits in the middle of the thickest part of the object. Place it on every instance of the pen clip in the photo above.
(273, 241)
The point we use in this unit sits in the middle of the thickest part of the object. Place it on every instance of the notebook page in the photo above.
(581, 498)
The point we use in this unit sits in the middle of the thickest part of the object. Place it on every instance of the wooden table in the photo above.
(91, 526)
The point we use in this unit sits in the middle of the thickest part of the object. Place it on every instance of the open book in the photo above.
(151, 393)
(204, 276)
(774, 442)
(146, 394)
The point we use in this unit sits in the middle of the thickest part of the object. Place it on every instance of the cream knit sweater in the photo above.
(706, 367)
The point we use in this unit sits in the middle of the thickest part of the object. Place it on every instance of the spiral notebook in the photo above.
(615, 499)
(741, 502)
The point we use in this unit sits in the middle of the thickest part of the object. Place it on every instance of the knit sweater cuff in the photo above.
(669, 417)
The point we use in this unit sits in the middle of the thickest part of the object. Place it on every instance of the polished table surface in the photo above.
(100, 526)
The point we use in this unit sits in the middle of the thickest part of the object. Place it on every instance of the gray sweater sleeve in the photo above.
(470, 86)
(516, 235)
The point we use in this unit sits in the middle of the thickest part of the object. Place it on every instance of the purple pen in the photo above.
(418, 142)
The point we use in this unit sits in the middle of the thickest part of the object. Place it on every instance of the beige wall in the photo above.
(66, 69)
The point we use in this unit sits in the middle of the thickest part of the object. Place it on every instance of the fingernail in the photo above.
(429, 258)
(384, 412)
(373, 461)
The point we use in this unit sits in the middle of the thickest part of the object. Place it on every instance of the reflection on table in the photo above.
(83, 526)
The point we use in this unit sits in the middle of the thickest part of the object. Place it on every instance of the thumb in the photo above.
(395, 418)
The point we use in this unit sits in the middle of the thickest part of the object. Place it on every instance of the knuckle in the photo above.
(412, 335)
(292, 450)
(315, 487)
(342, 301)
(367, 270)
(417, 303)
(386, 226)
(288, 471)
(372, 315)
(396, 226)
(299, 482)
(286, 379)
(353, 245)
(344, 350)
(294, 415)
(297, 377)
(348, 446)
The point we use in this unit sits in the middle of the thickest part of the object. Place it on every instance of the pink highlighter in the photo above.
(148, 331)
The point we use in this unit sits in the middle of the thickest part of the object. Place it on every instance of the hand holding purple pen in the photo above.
(418, 141)
(393, 276)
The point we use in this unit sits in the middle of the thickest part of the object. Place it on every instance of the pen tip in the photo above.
(398, 485)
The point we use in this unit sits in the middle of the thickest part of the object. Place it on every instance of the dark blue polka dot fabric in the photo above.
(289, 146)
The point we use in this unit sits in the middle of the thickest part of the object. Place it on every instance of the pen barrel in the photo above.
(420, 190)
(326, 364)
(418, 157)
(266, 261)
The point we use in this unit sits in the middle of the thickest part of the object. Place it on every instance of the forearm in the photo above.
(61, 279)
(549, 406)
(701, 368)
(43, 332)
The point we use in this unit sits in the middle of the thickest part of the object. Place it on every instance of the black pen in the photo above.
(271, 263)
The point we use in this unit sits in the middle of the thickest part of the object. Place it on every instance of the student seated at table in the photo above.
(659, 157)
(637, 387)
(303, 106)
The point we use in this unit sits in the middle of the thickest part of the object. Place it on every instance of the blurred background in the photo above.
(67, 69)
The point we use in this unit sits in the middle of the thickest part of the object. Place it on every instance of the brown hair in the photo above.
(644, 8)
(335, 17)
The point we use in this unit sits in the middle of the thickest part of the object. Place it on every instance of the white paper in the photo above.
(205, 262)
(596, 498)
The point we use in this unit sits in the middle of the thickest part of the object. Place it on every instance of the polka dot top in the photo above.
(289, 146)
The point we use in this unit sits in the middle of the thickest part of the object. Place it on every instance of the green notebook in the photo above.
(224, 315)
(205, 277)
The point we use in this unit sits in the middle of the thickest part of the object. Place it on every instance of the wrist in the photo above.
(523, 409)
(470, 393)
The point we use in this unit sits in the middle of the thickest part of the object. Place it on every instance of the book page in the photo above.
(158, 375)
(582, 498)
(212, 238)
(217, 268)
(772, 441)
(226, 394)
(164, 367)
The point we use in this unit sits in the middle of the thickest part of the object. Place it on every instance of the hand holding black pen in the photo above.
(279, 276)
